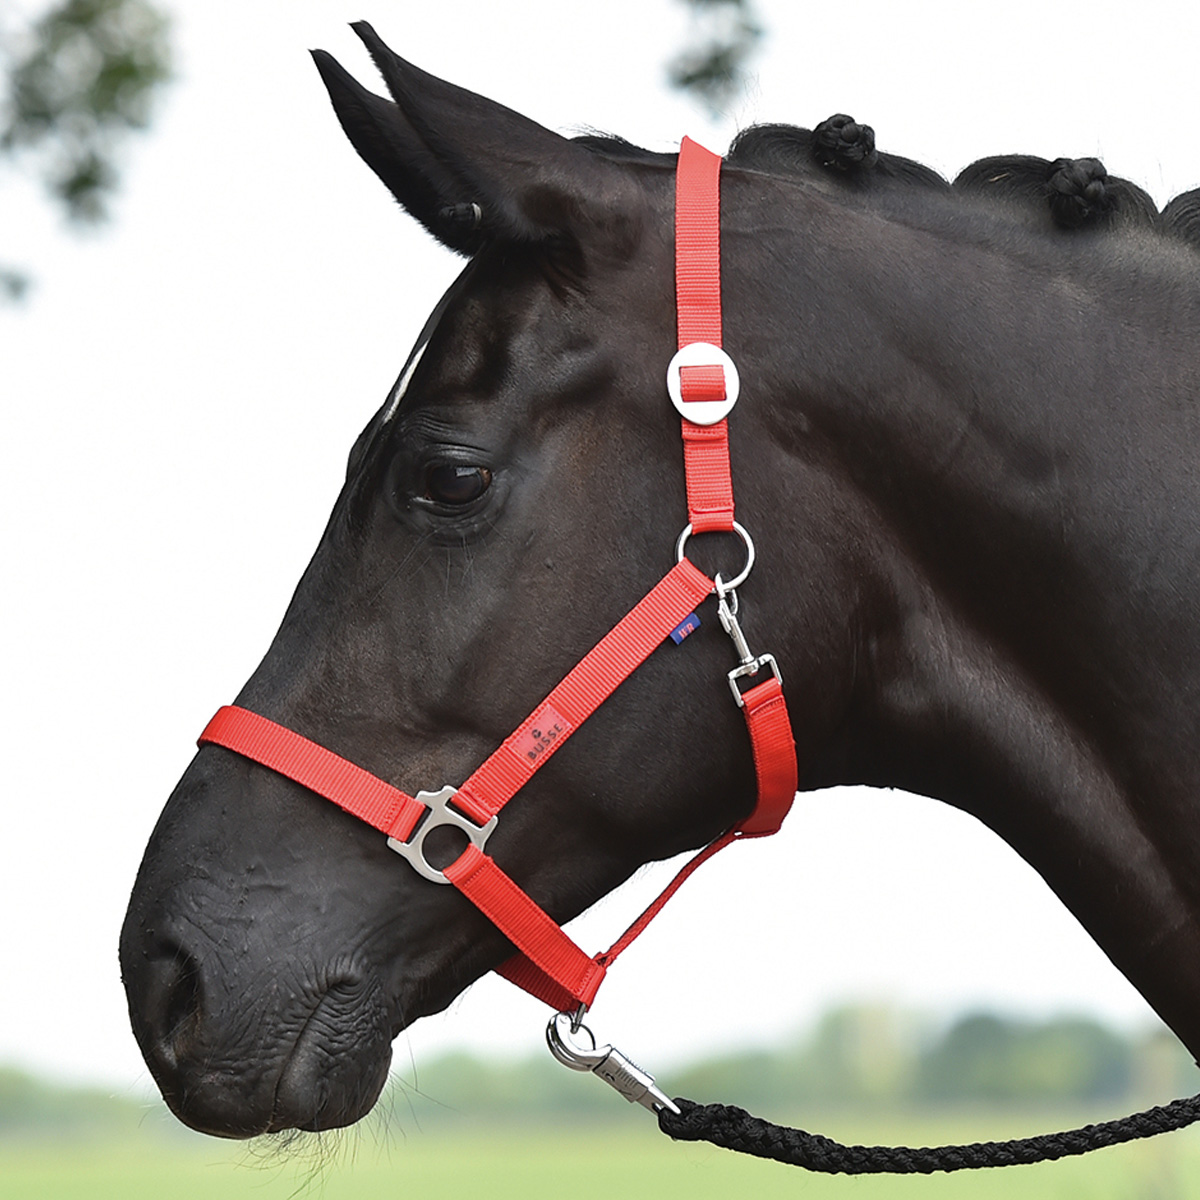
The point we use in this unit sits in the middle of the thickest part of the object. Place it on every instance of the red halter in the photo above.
(703, 385)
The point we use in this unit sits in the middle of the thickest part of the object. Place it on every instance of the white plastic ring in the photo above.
(703, 354)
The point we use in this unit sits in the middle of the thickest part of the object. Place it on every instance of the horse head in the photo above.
(517, 492)
(521, 488)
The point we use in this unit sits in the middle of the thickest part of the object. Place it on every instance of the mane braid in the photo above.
(1071, 193)
(1068, 194)
(791, 150)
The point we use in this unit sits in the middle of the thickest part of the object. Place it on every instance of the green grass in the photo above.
(627, 1158)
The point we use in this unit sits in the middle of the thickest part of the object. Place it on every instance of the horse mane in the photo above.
(840, 147)
(1181, 217)
(1070, 194)
(1077, 193)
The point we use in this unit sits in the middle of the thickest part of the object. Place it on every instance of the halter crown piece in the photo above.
(703, 384)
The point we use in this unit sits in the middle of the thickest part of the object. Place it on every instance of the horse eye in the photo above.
(450, 484)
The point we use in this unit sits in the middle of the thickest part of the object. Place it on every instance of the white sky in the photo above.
(179, 395)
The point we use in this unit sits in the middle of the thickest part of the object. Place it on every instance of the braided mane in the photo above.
(1071, 193)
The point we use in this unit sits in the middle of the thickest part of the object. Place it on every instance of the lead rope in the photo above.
(735, 1129)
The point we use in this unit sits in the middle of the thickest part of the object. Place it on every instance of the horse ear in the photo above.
(469, 169)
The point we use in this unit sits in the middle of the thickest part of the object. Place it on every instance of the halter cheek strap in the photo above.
(708, 384)
(703, 385)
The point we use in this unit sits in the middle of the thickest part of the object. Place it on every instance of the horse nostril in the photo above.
(179, 999)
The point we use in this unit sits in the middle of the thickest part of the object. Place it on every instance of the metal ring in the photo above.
(736, 582)
(440, 814)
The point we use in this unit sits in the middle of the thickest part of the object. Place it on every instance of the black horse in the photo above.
(967, 452)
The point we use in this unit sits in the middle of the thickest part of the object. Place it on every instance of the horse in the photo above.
(966, 451)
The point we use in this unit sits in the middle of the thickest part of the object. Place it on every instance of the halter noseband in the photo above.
(703, 384)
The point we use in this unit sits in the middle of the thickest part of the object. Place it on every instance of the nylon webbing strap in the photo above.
(698, 304)
(305, 762)
(547, 956)
(549, 964)
(550, 953)
(698, 244)
(583, 690)
(655, 907)
(774, 747)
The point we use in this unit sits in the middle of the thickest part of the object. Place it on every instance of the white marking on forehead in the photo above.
(404, 381)
(423, 340)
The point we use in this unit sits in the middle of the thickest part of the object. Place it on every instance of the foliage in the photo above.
(87, 74)
(713, 66)
(985, 1057)
(870, 1056)
(79, 81)
(32, 1106)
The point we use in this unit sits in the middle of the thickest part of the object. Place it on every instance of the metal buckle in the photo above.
(439, 814)
(751, 668)
(636, 1085)
(747, 541)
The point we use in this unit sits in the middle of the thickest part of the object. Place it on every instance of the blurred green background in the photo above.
(462, 1126)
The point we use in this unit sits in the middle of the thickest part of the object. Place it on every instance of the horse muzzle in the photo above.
(239, 1061)
(248, 1021)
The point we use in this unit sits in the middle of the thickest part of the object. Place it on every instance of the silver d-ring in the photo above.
(730, 585)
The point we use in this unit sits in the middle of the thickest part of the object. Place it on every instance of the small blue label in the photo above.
(689, 624)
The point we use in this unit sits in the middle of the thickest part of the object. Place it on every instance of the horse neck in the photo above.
(1013, 419)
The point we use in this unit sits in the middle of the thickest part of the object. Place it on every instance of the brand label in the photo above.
(688, 625)
(547, 728)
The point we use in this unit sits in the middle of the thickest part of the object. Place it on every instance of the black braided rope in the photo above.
(735, 1129)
